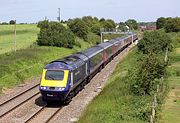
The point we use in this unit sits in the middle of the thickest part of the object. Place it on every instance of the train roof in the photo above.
(81, 56)
(105, 45)
(57, 65)
(92, 51)
(119, 39)
(69, 62)
(113, 41)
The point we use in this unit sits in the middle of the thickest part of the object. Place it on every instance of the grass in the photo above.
(116, 104)
(171, 109)
(28, 63)
(26, 36)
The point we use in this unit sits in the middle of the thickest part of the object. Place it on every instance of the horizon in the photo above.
(32, 11)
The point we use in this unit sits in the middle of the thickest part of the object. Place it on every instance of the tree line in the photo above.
(63, 34)
(169, 24)
(11, 22)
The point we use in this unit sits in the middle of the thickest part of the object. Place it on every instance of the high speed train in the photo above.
(63, 78)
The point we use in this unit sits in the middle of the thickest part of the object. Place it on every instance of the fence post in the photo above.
(15, 36)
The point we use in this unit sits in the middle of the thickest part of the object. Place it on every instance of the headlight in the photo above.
(43, 87)
(61, 88)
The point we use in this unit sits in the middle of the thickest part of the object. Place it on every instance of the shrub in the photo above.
(55, 34)
(154, 42)
(12, 22)
(145, 78)
(79, 28)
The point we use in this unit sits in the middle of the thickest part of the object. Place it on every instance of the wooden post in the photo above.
(165, 59)
(15, 36)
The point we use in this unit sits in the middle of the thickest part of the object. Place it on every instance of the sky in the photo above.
(30, 11)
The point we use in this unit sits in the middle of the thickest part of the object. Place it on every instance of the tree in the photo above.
(88, 20)
(101, 20)
(132, 24)
(172, 25)
(151, 68)
(12, 22)
(43, 24)
(54, 34)
(160, 23)
(107, 24)
(96, 28)
(79, 28)
(154, 42)
(112, 22)
(122, 26)
(169, 24)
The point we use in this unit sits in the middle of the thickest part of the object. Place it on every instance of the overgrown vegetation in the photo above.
(169, 24)
(55, 34)
(152, 62)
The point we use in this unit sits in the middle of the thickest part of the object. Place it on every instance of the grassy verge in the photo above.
(17, 67)
(116, 103)
(171, 109)
(26, 36)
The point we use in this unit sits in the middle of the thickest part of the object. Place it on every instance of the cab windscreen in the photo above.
(54, 75)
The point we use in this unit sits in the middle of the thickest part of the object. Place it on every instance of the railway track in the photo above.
(16, 101)
(8, 106)
(39, 113)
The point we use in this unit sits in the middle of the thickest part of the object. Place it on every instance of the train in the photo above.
(63, 78)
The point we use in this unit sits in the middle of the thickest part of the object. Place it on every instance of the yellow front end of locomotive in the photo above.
(53, 82)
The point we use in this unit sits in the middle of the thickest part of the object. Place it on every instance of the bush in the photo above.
(79, 28)
(12, 22)
(144, 79)
(154, 42)
(151, 64)
(55, 34)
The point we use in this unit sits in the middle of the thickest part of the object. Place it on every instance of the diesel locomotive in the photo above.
(62, 79)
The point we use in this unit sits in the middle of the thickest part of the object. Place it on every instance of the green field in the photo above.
(116, 104)
(28, 63)
(26, 36)
(171, 109)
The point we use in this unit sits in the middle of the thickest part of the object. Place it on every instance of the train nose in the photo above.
(49, 95)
